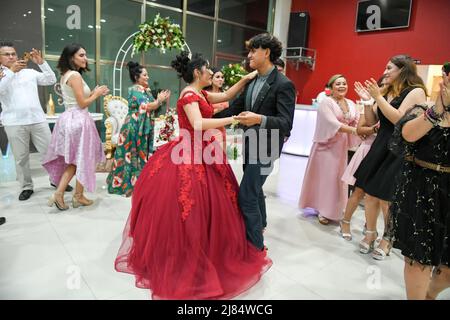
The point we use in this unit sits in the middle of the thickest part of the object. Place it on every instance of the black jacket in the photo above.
(276, 101)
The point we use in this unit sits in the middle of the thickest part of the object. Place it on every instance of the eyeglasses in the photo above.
(11, 54)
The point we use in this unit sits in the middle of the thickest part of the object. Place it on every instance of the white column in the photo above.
(281, 21)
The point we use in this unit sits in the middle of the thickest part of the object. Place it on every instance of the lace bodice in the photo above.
(206, 108)
(67, 92)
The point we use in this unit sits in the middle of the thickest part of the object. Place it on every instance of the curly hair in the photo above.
(266, 41)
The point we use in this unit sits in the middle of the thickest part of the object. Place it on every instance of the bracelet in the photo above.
(368, 102)
(431, 116)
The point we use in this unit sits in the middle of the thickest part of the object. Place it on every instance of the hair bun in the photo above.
(180, 64)
(132, 65)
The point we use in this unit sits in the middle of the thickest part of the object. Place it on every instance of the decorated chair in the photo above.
(116, 110)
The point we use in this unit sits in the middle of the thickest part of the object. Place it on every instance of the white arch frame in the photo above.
(121, 55)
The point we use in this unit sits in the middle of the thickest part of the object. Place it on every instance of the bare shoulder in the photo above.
(416, 92)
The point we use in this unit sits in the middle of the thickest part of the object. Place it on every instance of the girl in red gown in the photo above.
(185, 236)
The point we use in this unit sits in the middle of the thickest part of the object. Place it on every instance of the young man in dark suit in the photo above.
(266, 110)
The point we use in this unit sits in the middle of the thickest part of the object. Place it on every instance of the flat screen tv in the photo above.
(375, 15)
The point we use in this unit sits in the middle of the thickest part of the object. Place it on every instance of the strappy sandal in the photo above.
(346, 236)
(365, 247)
(380, 254)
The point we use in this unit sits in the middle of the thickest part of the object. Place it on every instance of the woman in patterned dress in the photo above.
(135, 143)
(420, 210)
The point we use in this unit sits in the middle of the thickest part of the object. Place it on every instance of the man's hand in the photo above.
(36, 56)
(18, 65)
(248, 118)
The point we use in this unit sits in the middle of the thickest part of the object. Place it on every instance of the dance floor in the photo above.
(47, 254)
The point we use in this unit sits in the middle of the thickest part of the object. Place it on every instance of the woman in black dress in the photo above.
(376, 173)
(420, 210)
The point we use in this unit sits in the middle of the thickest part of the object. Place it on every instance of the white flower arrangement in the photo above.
(160, 33)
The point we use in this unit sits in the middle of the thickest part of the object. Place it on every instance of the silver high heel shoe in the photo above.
(380, 254)
(365, 247)
(346, 236)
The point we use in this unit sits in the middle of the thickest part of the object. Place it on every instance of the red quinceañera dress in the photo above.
(185, 235)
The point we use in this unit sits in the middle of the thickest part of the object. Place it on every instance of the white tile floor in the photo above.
(45, 254)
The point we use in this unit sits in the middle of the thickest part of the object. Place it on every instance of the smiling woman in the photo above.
(335, 133)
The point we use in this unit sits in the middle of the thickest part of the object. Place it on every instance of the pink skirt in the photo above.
(75, 140)
(359, 155)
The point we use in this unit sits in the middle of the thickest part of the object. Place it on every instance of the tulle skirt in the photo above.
(185, 236)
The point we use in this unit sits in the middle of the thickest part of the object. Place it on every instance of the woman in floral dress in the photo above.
(135, 143)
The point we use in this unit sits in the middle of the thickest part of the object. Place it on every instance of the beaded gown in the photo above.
(185, 236)
(420, 210)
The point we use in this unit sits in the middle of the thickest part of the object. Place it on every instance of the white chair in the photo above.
(116, 110)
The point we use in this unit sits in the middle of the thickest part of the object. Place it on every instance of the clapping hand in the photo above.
(373, 88)
(163, 96)
(362, 92)
(101, 90)
(36, 56)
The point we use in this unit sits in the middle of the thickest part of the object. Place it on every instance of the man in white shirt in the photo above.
(22, 114)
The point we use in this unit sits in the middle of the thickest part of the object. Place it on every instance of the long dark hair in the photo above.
(65, 60)
(214, 71)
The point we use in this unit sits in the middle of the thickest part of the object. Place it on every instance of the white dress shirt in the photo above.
(19, 95)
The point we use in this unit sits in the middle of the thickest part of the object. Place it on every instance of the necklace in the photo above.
(346, 113)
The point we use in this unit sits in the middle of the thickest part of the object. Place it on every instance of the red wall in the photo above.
(360, 56)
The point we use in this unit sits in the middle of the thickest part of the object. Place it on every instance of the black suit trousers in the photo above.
(252, 201)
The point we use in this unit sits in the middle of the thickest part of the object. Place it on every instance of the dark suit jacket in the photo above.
(276, 101)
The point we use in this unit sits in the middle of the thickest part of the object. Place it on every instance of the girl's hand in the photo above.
(101, 91)
(250, 76)
(373, 88)
(362, 92)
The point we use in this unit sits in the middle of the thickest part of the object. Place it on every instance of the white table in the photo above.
(52, 119)
(300, 141)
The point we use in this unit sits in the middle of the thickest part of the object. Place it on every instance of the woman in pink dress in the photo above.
(185, 238)
(75, 148)
(217, 86)
(323, 191)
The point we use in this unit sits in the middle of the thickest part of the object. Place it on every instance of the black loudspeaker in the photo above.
(298, 32)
